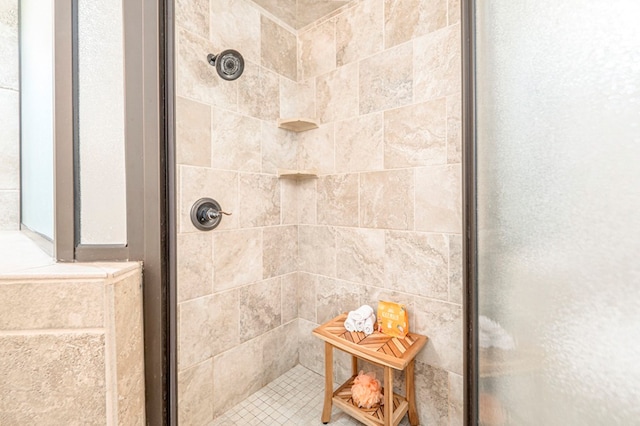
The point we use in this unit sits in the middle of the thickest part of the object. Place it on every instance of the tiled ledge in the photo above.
(21, 259)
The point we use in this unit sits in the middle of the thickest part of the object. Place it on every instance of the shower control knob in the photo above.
(206, 214)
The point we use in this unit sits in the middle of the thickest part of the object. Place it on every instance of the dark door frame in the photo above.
(470, 296)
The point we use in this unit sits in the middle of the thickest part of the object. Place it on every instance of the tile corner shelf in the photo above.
(297, 174)
(297, 124)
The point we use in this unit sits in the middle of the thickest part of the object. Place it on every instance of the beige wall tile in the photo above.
(360, 255)
(456, 400)
(455, 268)
(417, 263)
(416, 135)
(237, 258)
(386, 199)
(9, 45)
(259, 200)
(312, 10)
(372, 295)
(307, 285)
(386, 79)
(260, 308)
(282, 9)
(432, 390)
(194, 265)
(10, 210)
(437, 64)
(280, 250)
(195, 78)
(317, 50)
(235, 24)
(310, 348)
(454, 129)
(337, 94)
(297, 99)
(359, 144)
(290, 297)
(408, 19)
(454, 12)
(258, 92)
(195, 390)
(207, 326)
(280, 351)
(359, 31)
(317, 250)
(235, 142)
(129, 346)
(338, 200)
(237, 374)
(199, 182)
(42, 305)
(335, 297)
(316, 149)
(193, 15)
(289, 201)
(193, 133)
(442, 323)
(439, 198)
(279, 148)
(278, 48)
(9, 138)
(307, 196)
(63, 385)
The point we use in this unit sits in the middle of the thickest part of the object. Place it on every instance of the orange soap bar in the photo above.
(393, 319)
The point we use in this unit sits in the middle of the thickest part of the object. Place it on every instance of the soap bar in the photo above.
(393, 319)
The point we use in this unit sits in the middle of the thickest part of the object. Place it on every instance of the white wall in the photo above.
(36, 75)
(9, 117)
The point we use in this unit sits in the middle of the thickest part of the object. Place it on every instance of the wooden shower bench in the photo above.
(382, 350)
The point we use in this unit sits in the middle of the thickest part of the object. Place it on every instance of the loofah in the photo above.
(366, 390)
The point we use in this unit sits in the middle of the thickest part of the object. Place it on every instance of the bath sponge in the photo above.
(366, 390)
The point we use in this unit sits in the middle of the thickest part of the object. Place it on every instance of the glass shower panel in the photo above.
(36, 116)
(103, 210)
(558, 182)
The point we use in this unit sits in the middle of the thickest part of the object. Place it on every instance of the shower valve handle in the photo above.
(212, 213)
(206, 214)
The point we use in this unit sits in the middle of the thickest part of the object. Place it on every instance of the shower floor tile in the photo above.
(293, 399)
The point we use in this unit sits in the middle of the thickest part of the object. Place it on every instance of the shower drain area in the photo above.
(293, 399)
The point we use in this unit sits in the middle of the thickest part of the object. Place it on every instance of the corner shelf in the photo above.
(297, 174)
(297, 124)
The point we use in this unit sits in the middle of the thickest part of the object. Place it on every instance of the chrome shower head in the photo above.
(229, 63)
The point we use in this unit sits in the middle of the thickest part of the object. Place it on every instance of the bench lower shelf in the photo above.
(373, 416)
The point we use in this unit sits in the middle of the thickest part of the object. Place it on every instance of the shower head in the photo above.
(229, 63)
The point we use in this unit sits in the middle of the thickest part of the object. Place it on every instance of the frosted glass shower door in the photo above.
(558, 210)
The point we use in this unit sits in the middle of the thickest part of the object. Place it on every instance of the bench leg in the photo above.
(328, 383)
(388, 396)
(354, 366)
(411, 394)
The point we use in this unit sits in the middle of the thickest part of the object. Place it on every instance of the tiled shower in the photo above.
(382, 220)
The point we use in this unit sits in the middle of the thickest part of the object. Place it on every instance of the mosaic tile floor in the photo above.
(293, 399)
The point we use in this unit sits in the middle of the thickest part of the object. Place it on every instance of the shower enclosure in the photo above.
(364, 205)
(553, 137)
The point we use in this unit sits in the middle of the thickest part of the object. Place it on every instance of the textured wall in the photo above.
(237, 310)
(10, 121)
(382, 221)
(71, 345)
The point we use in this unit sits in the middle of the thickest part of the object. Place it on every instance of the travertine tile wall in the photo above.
(383, 220)
(237, 310)
(10, 122)
(71, 345)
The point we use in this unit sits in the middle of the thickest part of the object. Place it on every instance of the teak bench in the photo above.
(380, 349)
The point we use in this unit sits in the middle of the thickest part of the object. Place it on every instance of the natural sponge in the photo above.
(366, 390)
